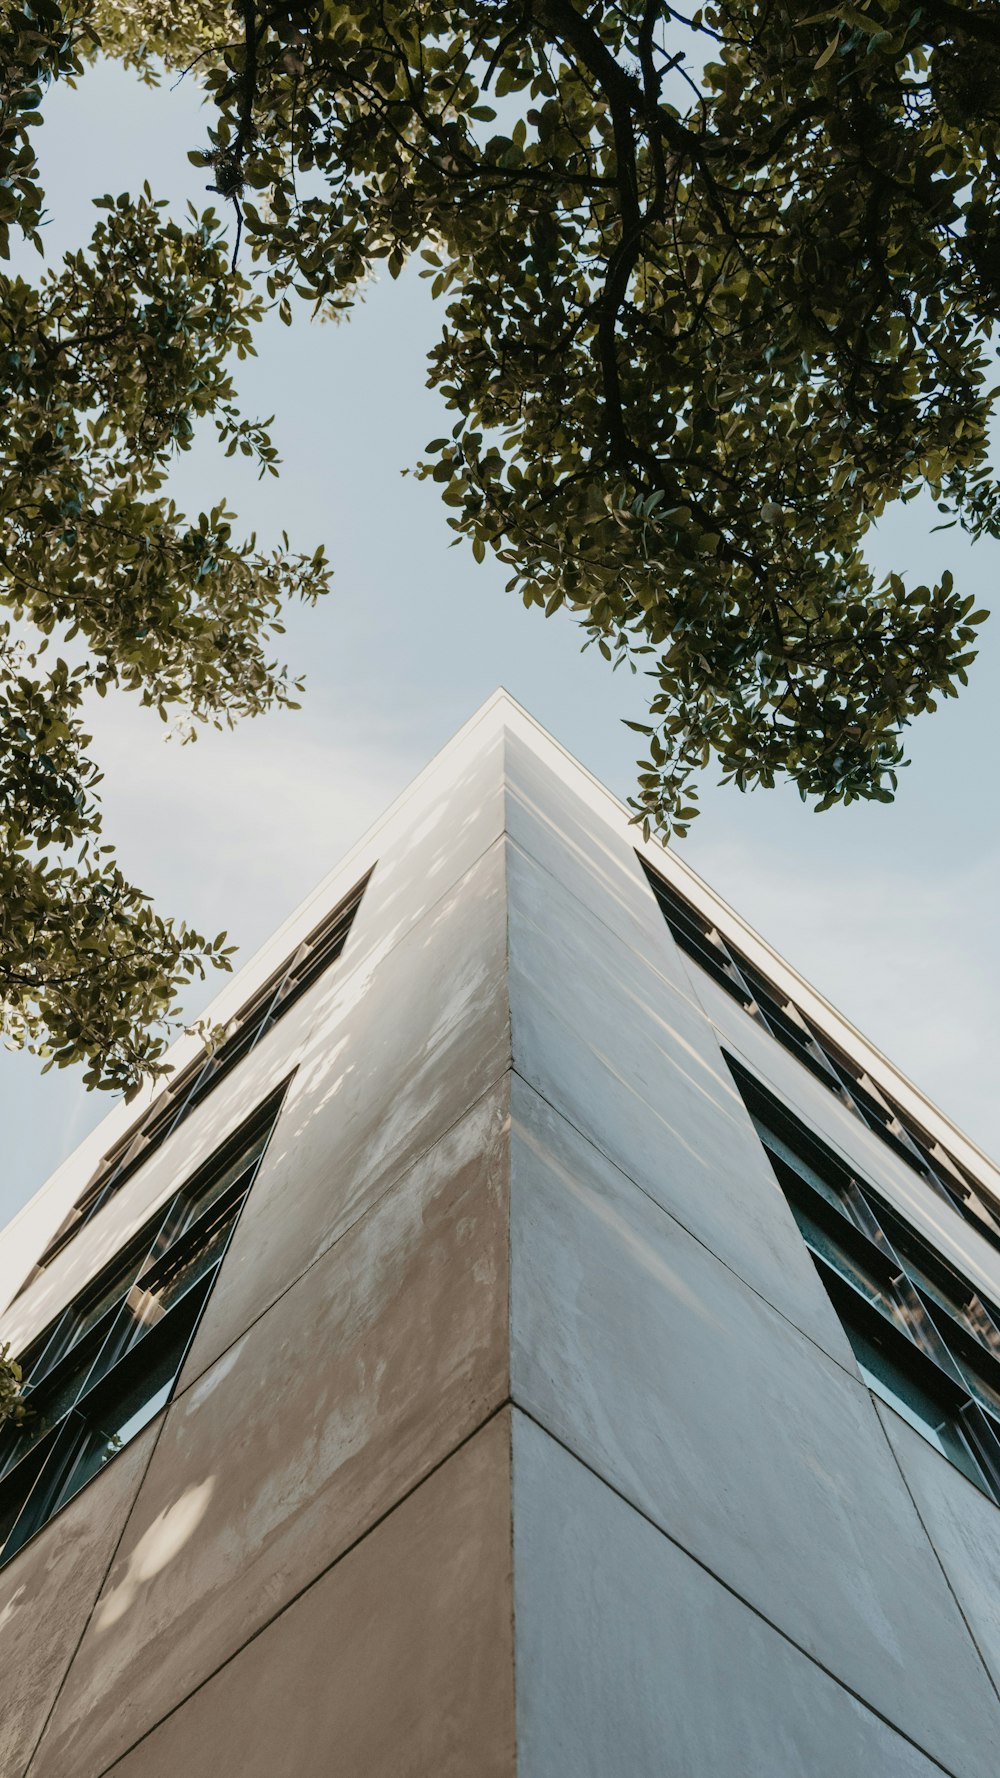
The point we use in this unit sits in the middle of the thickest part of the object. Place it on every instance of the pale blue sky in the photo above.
(890, 911)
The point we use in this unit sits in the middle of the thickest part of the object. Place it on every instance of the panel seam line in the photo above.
(727, 1586)
(314, 1580)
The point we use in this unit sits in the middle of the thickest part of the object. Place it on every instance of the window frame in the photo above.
(311, 958)
(975, 1203)
(934, 1345)
(126, 1341)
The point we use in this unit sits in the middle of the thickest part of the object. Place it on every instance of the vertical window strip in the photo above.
(316, 952)
(920, 1332)
(785, 1022)
(110, 1360)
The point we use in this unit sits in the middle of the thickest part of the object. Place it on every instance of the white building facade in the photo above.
(543, 1339)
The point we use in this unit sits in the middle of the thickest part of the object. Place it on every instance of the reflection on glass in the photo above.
(164, 1284)
(189, 1270)
(109, 1290)
(826, 1247)
(930, 1417)
(948, 1291)
(982, 1211)
(937, 1288)
(13, 1494)
(100, 1443)
(20, 1439)
(113, 1287)
(785, 1161)
(111, 1358)
(982, 1387)
(120, 1407)
(50, 1401)
(221, 1182)
(983, 1322)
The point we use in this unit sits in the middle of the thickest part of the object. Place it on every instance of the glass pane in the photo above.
(874, 1288)
(43, 1352)
(213, 1188)
(123, 1404)
(12, 1447)
(302, 975)
(704, 952)
(694, 938)
(228, 1054)
(937, 1287)
(786, 1160)
(113, 1285)
(54, 1398)
(14, 1493)
(982, 1385)
(910, 1398)
(99, 1444)
(980, 1212)
(172, 1279)
(777, 1015)
(19, 1440)
(982, 1318)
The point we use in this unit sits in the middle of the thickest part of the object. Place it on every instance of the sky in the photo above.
(889, 910)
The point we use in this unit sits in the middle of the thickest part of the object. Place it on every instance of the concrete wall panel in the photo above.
(379, 1361)
(964, 1527)
(421, 850)
(394, 1060)
(574, 830)
(149, 1188)
(632, 1662)
(733, 1432)
(398, 1663)
(47, 1593)
(428, 842)
(635, 1067)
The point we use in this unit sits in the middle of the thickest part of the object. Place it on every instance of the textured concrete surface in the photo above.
(574, 831)
(396, 1664)
(395, 1060)
(734, 1433)
(428, 842)
(631, 1064)
(384, 1356)
(720, 1569)
(47, 1593)
(964, 1527)
(420, 849)
(634, 1663)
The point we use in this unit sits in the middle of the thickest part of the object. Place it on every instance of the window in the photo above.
(108, 1363)
(925, 1341)
(782, 1018)
(194, 1084)
(695, 936)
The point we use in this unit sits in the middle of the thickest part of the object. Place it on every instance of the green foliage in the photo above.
(107, 364)
(705, 320)
(12, 1408)
(716, 291)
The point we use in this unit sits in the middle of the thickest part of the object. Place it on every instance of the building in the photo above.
(543, 1339)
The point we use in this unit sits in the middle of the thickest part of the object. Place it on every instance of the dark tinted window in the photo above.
(109, 1361)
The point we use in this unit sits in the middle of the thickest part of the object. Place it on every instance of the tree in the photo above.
(717, 289)
(107, 364)
(12, 1407)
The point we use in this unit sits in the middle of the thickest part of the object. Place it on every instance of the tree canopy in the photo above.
(107, 363)
(716, 289)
